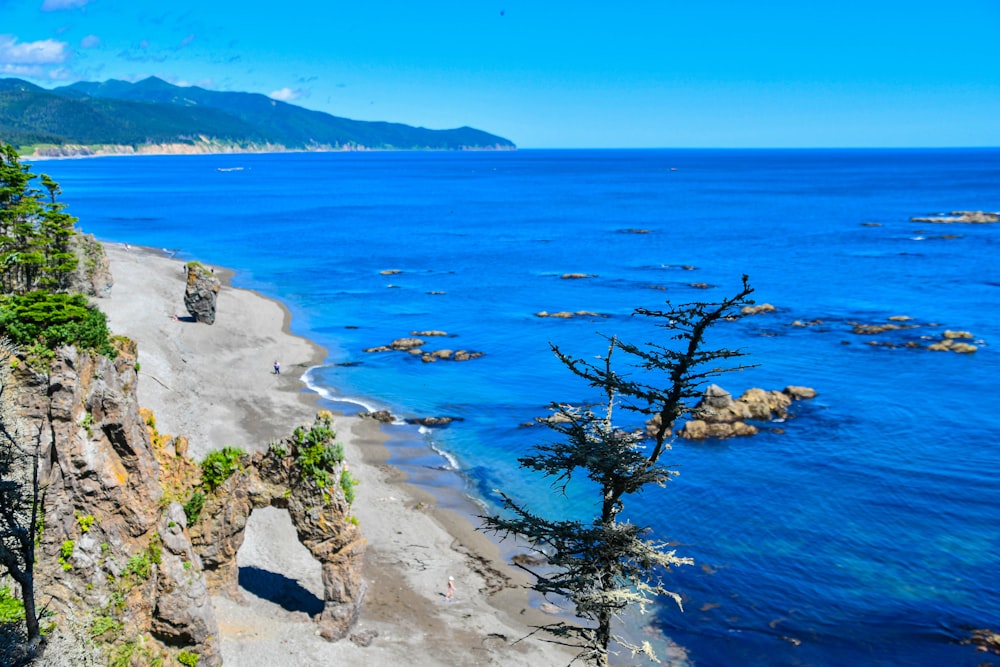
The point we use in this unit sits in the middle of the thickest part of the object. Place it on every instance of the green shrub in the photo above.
(103, 624)
(121, 656)
(193, 507)
(41, 321)
(139, 565)
(188, 658)
(85, 521)
(347, 484)
(11, 608)
(155, 549)
(65, 552)
(219, 466)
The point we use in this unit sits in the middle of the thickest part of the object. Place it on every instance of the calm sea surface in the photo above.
(866, 530)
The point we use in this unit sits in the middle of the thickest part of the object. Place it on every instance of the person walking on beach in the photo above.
(450, 595)
(277, 368)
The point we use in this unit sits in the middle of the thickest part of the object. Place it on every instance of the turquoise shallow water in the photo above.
(867, 531)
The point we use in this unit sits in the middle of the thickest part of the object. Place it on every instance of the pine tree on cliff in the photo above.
(34, 233)
(605, 565)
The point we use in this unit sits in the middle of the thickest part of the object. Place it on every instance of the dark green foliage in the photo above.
(317, 453)
(193, 507)
(139, 566)
(153, 111)
(219, 466)
(604, 565)
(49, 320)
(35, 230)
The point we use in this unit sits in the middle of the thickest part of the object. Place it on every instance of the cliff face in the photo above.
(111, 560)
(123, 576)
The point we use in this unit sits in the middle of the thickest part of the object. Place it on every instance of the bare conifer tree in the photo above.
(20, 507)
(605, 566)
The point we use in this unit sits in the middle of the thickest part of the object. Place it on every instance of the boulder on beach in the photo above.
(201, 292)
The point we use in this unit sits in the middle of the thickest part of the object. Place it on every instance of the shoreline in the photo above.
(413, 545)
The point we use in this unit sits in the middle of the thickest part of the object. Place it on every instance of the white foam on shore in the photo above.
(329, 395)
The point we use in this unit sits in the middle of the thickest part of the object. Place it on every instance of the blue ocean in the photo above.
(863, 530)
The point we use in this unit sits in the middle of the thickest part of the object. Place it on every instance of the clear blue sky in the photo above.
(711, 73)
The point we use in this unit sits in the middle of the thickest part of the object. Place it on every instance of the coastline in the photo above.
(214, 384)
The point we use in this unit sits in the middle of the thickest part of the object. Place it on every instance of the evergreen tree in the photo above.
(606, 565)
(34, 233)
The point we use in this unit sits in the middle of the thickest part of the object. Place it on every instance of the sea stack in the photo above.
(201, 292)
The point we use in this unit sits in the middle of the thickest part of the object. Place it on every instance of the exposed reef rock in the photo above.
(962, 217)
(566, 314)
(757, 310)
(433, 421)
(201, 293)
(413, 346)
(985, 641)
(382, 416)
(717, 415)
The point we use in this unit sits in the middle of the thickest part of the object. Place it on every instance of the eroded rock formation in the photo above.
(718, 415)
(124, 577)
(201, 293)
(305, 476)
(108, 565)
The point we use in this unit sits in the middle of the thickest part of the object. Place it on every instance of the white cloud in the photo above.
(187, 40)
(56, 5)
(287, 94)
(42, 52)
(90, 42)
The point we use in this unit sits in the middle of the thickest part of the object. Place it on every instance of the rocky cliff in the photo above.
(136, 535)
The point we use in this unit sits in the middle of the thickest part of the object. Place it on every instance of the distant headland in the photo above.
(154, 117)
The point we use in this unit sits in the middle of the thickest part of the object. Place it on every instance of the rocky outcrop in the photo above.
(126, 580)
(93, 270)
(304, 474)
(718, 415)
(201, 293)
(962, 217)
(414, 346)
(433, 421)
(566, 314)
(757, 310)
(109, 563)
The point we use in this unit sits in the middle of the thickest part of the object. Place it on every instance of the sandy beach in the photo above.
(215, 385)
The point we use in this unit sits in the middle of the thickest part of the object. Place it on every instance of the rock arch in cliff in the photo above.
(275, 566)
(302, 476)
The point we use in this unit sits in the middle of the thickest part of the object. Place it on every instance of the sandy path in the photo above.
(214, 384)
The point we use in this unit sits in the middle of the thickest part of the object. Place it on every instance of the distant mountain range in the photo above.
(153, 115)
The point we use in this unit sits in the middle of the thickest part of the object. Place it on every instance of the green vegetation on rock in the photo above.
(219, 466)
